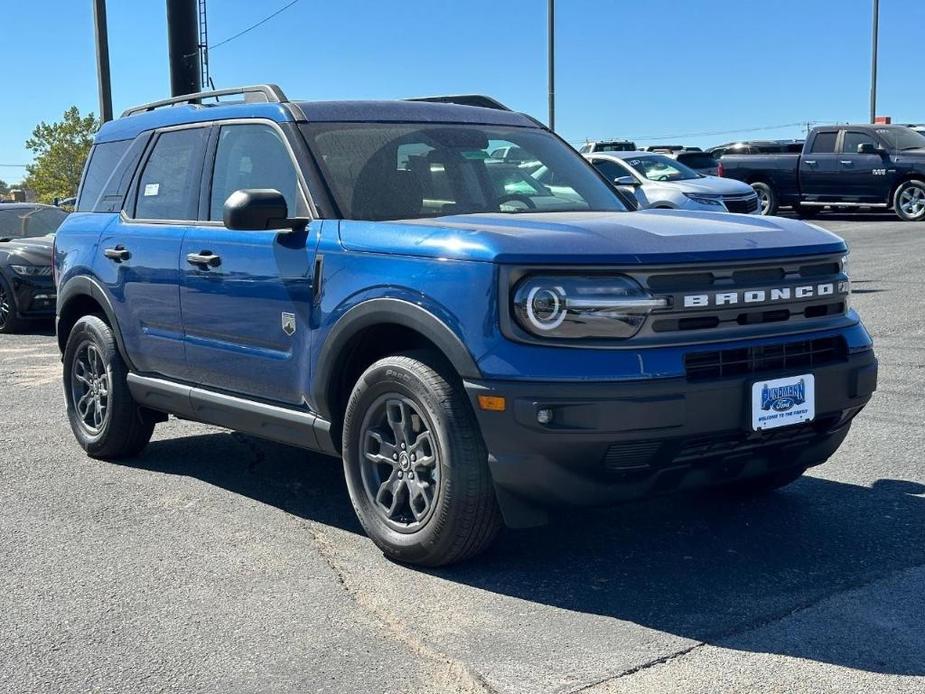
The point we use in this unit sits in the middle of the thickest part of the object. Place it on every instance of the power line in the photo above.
(711, 133)
(253, 26)
(17, 166)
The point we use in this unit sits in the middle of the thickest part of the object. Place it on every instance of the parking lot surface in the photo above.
(217, 562)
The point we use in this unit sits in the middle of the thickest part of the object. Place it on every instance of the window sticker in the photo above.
(152, 189)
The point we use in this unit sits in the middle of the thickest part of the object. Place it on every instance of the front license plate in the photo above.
(783, 401)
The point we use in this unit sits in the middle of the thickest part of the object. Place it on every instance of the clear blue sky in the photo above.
(627, 69)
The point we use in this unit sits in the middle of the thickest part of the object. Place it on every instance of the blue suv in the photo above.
(365, 280)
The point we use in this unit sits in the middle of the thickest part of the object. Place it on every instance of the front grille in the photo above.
(741, 205)
(702, 366)
(761, 293)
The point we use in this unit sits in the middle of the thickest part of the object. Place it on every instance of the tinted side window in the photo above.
(252, 156)
(853, 139)
(169, 185)
(103, 159)
(611, 170)
(112, 196)
(824, 143)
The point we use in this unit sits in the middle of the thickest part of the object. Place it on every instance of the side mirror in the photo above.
(259, 208)
(867, 148)
(625, 181)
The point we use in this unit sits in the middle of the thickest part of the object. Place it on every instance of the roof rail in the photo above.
(261, 93)
(465, 100)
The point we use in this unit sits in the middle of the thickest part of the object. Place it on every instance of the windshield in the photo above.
(17, 222)
(902, 138)
(656, 167)
(379, 171)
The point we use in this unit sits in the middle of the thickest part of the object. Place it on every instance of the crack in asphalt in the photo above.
(751, 626)
(451, 675)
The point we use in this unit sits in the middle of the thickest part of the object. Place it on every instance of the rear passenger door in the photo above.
(138, 253)
(247, 309)
(864, 176)
(819, 168)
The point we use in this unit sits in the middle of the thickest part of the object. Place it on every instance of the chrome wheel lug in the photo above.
(414, 458)
(410, 475)
(403, 445)
(395, 456)
(400, 474)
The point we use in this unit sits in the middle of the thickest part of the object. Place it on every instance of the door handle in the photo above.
(847, 162)
(118, 254)
(809, 162)
(204, 259)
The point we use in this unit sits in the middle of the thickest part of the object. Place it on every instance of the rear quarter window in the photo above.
(103, 160)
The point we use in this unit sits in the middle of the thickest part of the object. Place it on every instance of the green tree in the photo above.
(4, 187)
(60, 151)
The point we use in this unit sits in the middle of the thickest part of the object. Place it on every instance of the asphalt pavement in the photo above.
(217, 562)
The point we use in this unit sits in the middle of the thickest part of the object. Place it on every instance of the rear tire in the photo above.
(416, 465)
(9, 321)
(763, 484)
(909, 201)
(106, 421)
(767, 199)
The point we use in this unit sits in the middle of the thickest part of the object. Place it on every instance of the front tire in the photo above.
(767, 198)
(9, 321)
(909, 201)
(416, 465)
(106, 421)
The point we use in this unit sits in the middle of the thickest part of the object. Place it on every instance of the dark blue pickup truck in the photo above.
(356, 279)
(841, 166)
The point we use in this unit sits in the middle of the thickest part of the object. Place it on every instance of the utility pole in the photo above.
(102, 59)
(551, 56)
(875, 35)
(183, 46)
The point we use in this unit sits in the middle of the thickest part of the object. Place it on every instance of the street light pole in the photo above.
(551, 56)
(875, 34)
(102, 59)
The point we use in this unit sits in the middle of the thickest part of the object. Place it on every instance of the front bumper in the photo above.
(35, 296)
(617, 441)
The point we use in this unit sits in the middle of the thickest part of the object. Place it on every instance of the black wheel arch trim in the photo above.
(85, 286)
(385, 311)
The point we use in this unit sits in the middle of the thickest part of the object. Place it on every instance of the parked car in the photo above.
(608, 146)
(659, 182)
(757, 147)
(346, 277)
(27, 288)
(845, 165)
(701, 162)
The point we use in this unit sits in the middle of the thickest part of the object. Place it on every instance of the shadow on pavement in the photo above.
(702, 567)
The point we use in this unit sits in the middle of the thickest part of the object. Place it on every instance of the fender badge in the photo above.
(289, 323)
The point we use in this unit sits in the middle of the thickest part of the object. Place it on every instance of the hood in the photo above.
(629, 238)
(29, 251)
(710, 185)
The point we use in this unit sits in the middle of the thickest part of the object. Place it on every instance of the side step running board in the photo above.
(293, 427)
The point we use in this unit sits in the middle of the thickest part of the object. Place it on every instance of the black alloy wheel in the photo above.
(400, 465)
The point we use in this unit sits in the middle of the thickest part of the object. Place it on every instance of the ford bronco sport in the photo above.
(349, 277)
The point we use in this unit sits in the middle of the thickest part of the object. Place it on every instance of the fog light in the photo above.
(544, 415)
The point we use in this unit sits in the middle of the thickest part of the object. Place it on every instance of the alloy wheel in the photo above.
(764, 201)
(90, 388)
(400, 464)
(912, 201)
(5, 307)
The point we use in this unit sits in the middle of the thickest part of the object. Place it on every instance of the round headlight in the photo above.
(546, 307)
(582, 306)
